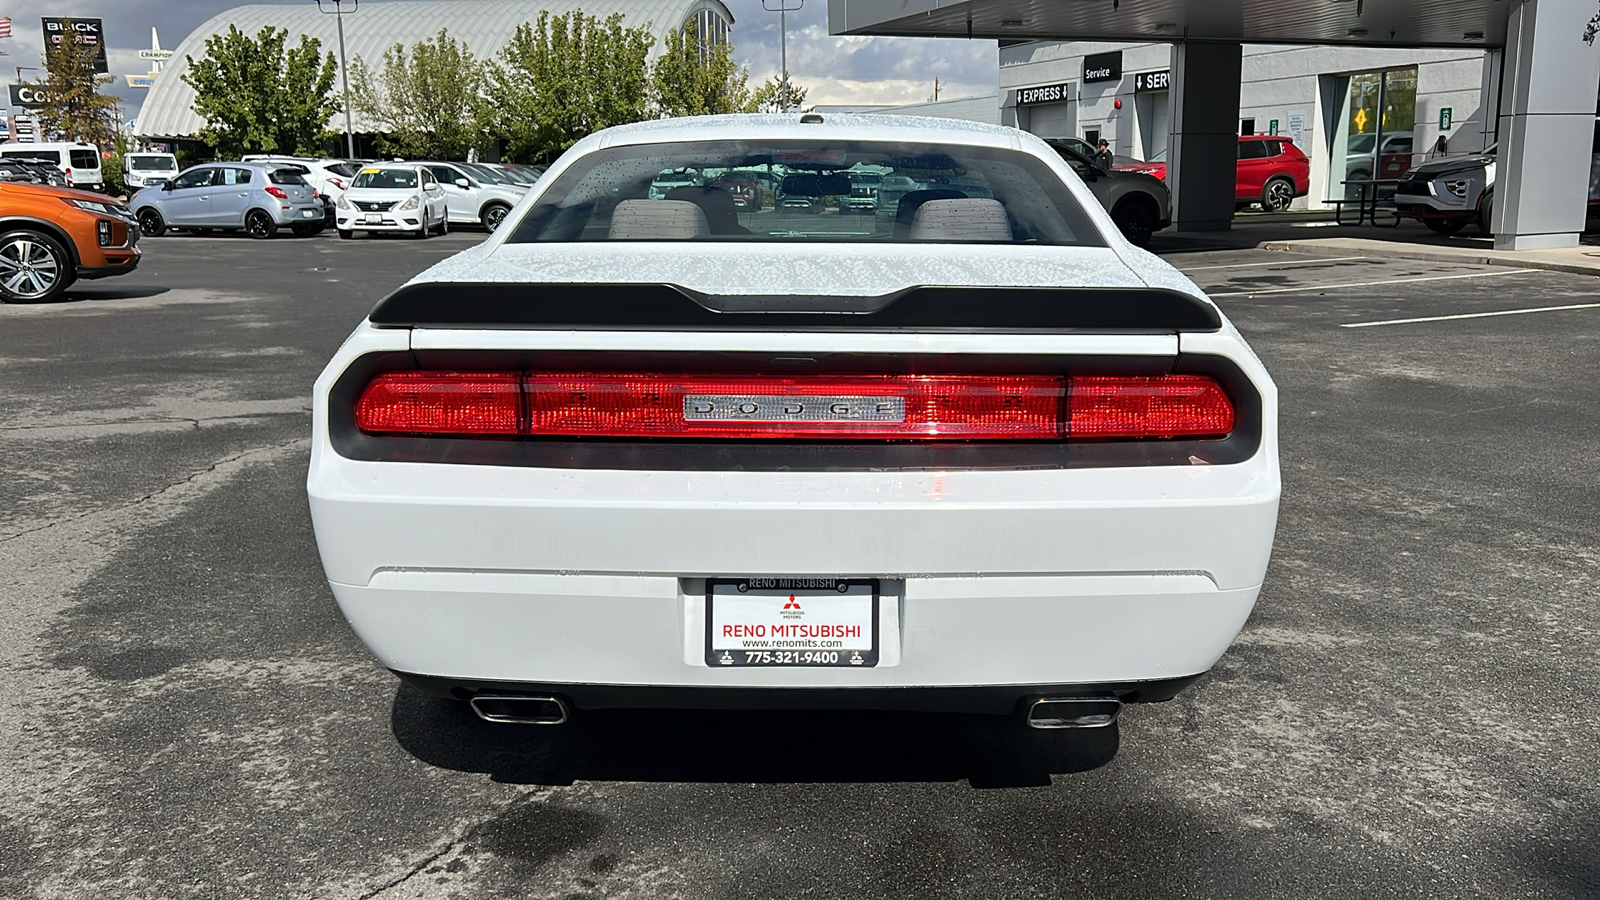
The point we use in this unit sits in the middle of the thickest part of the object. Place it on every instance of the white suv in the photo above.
(473, 200)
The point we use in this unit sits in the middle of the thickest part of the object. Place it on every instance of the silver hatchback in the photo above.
(258, 198)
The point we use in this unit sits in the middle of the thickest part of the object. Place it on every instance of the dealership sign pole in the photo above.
(344, 70)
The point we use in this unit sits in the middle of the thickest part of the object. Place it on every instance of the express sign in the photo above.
(1050, 93)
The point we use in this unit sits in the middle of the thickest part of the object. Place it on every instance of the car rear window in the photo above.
(51, 156)
(85, 159)
(668, 192)
(285, 176)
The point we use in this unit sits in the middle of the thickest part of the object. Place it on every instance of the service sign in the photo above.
(1152, 81)
(1102, 67)
(792, 622)
(1050, 93)
(84, 31)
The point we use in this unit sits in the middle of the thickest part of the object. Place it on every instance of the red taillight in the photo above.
(442, 403)
(278, 192)
(855, 407)
(1166, 406)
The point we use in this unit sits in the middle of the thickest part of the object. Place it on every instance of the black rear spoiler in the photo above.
(444, 304)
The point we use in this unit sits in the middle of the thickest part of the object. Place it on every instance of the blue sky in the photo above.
(833, 69)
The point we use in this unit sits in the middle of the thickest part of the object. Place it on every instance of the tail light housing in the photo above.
(278, 192)
(845, 407)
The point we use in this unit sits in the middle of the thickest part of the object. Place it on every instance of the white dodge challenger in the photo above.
(972, 453)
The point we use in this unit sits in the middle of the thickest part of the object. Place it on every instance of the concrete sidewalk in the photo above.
(1320, 237)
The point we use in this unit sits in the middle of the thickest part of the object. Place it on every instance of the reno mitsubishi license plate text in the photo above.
(792, 622)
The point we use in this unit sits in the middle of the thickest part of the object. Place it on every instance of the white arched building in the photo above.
(484, 25)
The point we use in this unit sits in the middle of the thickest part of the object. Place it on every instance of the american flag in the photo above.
(5, 27)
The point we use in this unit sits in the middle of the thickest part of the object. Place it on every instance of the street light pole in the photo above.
(782, 8)
(344, 68)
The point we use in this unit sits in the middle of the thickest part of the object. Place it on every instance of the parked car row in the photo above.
(263, 194)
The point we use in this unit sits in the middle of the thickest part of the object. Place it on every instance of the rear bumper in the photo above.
(980, 700)
(616, 632)
(296, 215)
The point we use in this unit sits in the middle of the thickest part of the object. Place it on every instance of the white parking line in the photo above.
(1306, 262)
(1482, 315)
(1355, 284)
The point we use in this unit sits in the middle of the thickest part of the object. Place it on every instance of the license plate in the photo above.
(803, 622)
(373, 219)
(309, 214)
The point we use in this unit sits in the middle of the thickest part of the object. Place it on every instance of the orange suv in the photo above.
(50, 237)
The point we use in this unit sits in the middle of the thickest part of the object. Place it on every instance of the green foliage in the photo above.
(690, 80)
(426, 104)
(258, 94)
(74, 109)
(564, 77)
(769, 96)
(111, 167)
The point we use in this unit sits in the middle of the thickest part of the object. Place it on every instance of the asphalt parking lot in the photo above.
(1409, 713)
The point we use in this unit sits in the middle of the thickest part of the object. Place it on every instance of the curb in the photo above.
(1425, 255)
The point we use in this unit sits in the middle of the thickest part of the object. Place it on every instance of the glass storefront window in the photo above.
(1377, 121)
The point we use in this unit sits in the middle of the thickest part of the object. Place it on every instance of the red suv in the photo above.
(746, 193)
(1272, 171)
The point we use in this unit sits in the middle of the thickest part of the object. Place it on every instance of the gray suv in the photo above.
(1140, 204)
(259, 198)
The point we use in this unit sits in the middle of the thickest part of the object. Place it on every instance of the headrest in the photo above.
(974, 219)
(657, 220)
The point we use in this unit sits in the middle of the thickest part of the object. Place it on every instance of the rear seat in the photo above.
(971, 219)
(657, 220)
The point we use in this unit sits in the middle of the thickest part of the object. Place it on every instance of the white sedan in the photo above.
(642, 448)
(396, 197)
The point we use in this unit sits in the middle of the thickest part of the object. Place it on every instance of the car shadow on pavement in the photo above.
(745, 747)
(128, 292)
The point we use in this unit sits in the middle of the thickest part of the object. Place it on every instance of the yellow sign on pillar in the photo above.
(1360, 120)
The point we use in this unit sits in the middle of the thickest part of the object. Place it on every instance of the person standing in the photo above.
(1103, 157)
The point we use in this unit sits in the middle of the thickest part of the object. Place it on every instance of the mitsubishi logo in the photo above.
(792, 604)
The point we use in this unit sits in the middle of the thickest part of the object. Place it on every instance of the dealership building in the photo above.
(1366, 88)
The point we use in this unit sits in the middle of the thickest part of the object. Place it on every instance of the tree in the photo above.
(428, 103)
(258, 94)
(567, 76)
(690, 79)
(73, 106)
(769, 96)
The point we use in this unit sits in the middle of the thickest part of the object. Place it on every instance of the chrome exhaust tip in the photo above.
(1074, 712)
(519, 709)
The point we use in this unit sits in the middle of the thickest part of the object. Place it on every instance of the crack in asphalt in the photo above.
(254, 451)
(451, 846)
(139, 420)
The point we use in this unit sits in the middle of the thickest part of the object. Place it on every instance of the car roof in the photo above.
(782, 126)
